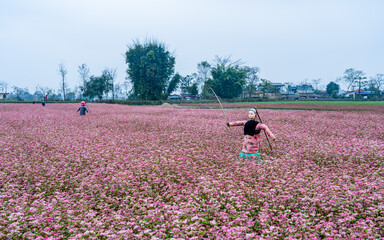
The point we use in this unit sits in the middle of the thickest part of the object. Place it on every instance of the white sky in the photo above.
(288, 40)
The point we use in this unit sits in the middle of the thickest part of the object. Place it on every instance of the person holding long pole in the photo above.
(252, 135)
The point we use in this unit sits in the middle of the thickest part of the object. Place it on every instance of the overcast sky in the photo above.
(289, 41)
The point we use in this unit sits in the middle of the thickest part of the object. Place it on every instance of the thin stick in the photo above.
(219, 102)
(270, 146)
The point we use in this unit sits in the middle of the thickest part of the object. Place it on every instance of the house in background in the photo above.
(355, 94)
(288, 92)
(247, 94)
(305, 89)
(185, 94)
(306, 92)
(278, 87)
(174, 97)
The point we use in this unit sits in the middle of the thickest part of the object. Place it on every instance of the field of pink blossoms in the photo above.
(151, 172)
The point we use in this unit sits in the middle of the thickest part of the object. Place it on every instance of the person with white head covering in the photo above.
(251, 140)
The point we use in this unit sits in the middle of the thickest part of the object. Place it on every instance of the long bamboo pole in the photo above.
(270, 146)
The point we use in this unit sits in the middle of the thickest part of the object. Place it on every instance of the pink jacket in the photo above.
(251, 144)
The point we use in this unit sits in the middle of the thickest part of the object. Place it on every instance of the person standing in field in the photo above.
(251, 140)
(82, 108)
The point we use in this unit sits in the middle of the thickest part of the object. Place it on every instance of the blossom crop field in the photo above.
(302, 105)
(130, 172)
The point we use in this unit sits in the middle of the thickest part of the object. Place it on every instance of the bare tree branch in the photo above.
(63, 73)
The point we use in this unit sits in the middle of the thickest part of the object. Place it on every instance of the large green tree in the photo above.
(97, 86)
(228, 79)
(193, 89)
(332, 89)
(173, 84)
(150, 69)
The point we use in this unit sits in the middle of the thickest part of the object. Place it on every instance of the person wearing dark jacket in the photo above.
(82, 108)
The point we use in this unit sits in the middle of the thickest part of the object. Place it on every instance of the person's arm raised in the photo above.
(236, 123)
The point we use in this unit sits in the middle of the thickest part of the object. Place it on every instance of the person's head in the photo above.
(82, 103)
(252, 114)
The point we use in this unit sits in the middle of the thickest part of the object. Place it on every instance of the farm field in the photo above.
(148, 172)
(325, 102)
(300, 105)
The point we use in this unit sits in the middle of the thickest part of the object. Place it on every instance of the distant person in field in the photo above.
(43, 103)
(82, 108)
(251, 140)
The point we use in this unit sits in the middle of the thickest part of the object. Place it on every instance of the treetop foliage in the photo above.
(150, 68)
(227, 78)
(97, 86)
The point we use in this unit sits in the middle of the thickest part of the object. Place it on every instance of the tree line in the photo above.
(151, 76)
(151, 72)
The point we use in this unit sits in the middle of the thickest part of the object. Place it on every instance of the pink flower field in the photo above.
(130, 172)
